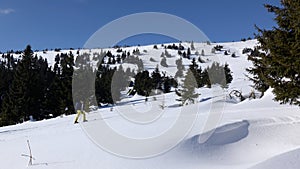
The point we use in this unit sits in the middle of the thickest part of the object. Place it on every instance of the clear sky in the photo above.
(69, 23)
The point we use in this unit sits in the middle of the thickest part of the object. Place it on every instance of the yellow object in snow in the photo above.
(79, 112)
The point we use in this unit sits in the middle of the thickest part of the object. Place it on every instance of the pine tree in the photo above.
(180, 68)
(7, 68)
(52, 91)
(278, 66)
(156, 79)
(143, 83)
(67, 69)
(194, 69)
(119, 83)
(188, 54)
(188, 94)
(103, 83)
(228, 75)
(202, 53)
(21, 100)
(192, 46)
(168, 83)
(52, 95)
(259, 82)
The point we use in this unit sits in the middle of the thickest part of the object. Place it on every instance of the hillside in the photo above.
(216, 132)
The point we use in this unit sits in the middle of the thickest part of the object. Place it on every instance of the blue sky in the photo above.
(69, 23)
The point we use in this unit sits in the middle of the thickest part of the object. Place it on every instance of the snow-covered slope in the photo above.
(254, 134)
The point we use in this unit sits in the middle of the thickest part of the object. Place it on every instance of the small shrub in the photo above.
(152, 60)
(226, 53)
(233, 55)
(119, 50)
(163, 62)
(57, 49)
(218, 47)
(247, 50)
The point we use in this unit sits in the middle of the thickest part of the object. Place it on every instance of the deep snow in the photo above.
(253, 134)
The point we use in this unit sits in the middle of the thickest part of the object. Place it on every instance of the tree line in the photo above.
(30, 88)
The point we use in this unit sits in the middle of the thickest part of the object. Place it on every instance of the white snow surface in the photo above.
(256, 134)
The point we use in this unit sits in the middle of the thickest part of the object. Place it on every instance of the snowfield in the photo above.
(254, 134)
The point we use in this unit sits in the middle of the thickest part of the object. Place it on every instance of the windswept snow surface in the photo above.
(256, 134)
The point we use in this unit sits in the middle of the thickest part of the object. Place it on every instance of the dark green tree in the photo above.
(257, 71)
(156, 79)
(67, 69)
(278, 65)
(103, 84)
(143, 83)
(24, 96)
(228, 75)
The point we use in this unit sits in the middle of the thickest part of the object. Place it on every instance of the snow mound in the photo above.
(286, 160)
(227, 134)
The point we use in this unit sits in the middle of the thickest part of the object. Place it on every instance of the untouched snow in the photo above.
(256, 134)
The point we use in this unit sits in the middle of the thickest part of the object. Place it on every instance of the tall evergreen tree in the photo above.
(194, 69)
(278, 66)
(103, 83)
(156, 79)
(120, 81)
(259, 68)
(67, 69)
(143, 83)
(7, 68)
(188, 94)
(21, 102)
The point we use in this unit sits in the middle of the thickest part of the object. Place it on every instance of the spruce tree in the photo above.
(278, 65)
(19, 103)
(67, 69)
(180, 68)
(192, 46)
(188, 94)
(7, 68)
(143, 83)
(103, 83)
(202, 53)
(260, 83)
(188, 54)
(119, 83)
(228, 75)
(194, 69)
(156, 79)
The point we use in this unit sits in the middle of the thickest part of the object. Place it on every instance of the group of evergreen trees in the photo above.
(30, 88)
(197, 78)
(144, 83)
(214, 74)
